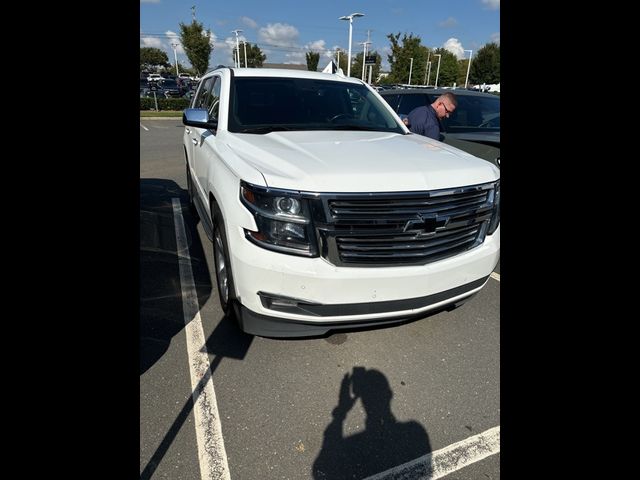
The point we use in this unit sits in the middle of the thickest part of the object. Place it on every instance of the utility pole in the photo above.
(175, 56)
(193, 13)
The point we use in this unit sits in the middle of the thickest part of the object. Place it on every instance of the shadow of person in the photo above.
(385, 443)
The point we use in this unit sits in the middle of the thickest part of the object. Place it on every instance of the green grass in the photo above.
(161, 113)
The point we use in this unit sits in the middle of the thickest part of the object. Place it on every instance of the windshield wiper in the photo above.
(267, 129)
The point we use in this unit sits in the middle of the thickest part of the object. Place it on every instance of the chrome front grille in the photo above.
(414, 228)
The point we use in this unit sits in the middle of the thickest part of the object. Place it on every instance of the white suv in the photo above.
(324, 211)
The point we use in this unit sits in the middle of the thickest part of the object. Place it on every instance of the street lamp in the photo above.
(425, 70)
(350, 18)
(237, 59)
(245, 53)
(364, 55)
(410, 70)
(175, 55)
(468, 67)
(438, 70)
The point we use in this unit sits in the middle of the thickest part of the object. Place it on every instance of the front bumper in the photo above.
(323, 297)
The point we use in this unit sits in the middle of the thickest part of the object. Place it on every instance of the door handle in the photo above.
(188, 130)
(195, 141)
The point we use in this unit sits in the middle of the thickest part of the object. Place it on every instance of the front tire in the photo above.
(222, 266)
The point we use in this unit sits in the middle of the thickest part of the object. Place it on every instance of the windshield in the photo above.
(265, 104)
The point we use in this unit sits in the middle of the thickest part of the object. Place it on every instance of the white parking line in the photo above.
(495, 276)
(446, 460)
(211, 451)
(144, 127)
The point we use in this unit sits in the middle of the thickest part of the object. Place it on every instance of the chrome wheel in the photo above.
(221, 268)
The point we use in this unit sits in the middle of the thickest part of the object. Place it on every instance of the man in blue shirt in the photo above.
(425, 120)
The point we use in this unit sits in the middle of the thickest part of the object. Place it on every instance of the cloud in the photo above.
(316, 46)
(295, 58)
(495, 37)
(174, 38)
(279, 34)
(454, 46)
(154, 42)
(492, 4)
(448, 23)
(249, 22)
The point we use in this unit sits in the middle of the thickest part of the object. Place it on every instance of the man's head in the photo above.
(445, 104)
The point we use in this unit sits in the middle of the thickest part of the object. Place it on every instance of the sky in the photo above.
(286, 29)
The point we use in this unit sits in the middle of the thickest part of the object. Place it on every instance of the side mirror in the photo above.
(198, 117)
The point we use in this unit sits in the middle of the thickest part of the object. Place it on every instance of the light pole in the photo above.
(245, 53)
(410, 70)
(175, 55)
(237, 47)
(437, 71)
(425, 70)
(468, 67)
(364, 56)
(350, 18)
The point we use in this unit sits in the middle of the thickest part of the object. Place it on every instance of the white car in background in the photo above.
(154, 77)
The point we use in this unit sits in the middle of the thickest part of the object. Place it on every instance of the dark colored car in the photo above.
(170, 88)
(474, 126)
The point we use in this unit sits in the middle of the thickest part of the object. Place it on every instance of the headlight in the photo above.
(283, 220)
(495, 218)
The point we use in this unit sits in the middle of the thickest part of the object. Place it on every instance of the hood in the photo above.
(355, 161)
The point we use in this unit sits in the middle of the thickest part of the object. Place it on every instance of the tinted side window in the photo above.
(409, 102)
(214, 99)
(200, 100)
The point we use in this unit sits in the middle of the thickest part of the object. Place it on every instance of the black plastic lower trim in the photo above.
(269, 326)
(319, 310)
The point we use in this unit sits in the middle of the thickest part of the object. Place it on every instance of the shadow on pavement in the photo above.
(161, 303)
(161, 315)
(385, 443)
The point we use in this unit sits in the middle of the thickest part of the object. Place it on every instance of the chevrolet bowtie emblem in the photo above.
(425, 224)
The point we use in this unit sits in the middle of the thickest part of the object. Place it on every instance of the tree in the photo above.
(312, 61)
(255, 57)
(151, 58)
(448, 68)
(400, 59)
(197, 45)
(485, 66)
